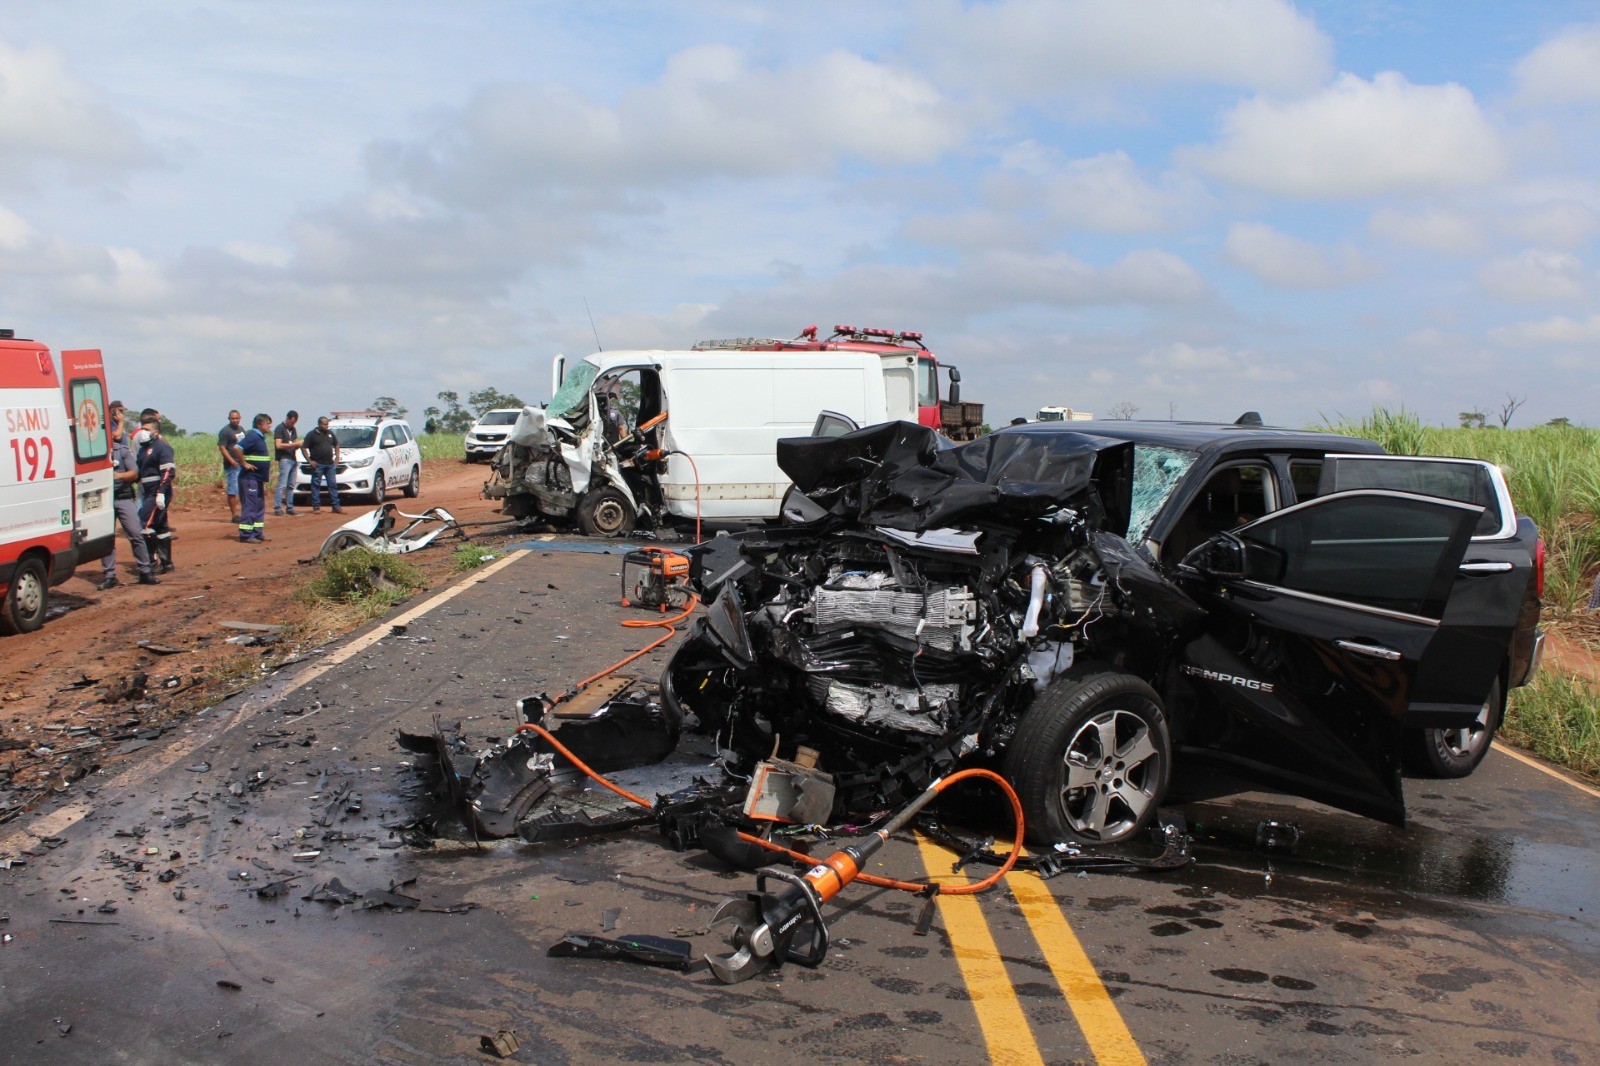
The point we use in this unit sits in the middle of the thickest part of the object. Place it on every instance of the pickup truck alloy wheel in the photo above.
(25, 601)
(605, 513)
(379, 490)
(1091, 759)
(1456, 752)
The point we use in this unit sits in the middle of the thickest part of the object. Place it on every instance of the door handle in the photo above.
(1376, 651)
(1485, 568)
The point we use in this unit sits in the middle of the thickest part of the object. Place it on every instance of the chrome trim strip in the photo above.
(1347, 604)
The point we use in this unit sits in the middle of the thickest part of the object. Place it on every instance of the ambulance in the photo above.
(55, 474)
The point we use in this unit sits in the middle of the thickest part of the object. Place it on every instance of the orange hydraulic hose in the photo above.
(910, 886)
(669, 624)
(529, 727)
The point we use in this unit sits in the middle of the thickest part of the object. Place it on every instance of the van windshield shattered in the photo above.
(574, 390)
(356, 436)
(1156, 472)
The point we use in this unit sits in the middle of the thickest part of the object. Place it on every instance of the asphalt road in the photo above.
(135, 932)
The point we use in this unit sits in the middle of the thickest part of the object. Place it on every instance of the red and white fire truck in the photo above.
(55, 474)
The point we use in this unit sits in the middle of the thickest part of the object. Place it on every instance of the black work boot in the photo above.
(108, 583)
(147, 578)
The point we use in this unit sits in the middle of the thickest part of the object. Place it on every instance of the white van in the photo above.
(55, 474)
(664, 437)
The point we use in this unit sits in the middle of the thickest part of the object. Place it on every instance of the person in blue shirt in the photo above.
(254, 453)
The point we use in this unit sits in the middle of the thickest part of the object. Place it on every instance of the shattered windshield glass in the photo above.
(574, 390)
(1156, 471)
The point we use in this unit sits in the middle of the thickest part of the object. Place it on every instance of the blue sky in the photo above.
(1190, 208)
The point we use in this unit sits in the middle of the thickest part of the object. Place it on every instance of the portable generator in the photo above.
(655, 578)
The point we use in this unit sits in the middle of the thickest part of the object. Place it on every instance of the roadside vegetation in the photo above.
(471, 556)
(368, 581)
(444, 446)
(1554, 474)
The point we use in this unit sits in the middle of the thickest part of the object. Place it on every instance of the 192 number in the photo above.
(34, 457)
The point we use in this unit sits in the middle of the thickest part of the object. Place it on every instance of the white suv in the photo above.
(488, 434)
(378, 453)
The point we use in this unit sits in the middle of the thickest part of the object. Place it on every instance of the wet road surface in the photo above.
(137, 933)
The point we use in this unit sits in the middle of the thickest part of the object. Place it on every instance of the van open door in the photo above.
(83, 380)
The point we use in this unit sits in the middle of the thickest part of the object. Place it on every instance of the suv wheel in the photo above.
(1456, 752)
(379, 490)
(1091, 759)
(23, 609)
(413, 487)
(605, 513)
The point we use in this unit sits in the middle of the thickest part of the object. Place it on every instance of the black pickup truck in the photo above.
(1083, 606)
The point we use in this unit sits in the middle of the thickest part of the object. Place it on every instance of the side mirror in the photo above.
(955, 385)
(1227, 556)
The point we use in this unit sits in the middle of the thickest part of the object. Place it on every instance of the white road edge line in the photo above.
(1539, 765)
(60, 820)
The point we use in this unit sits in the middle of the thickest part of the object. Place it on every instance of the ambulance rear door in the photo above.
(84, 386)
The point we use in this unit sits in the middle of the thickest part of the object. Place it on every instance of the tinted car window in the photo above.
(1466, 482)
(1374, 550)
(499, 418)
(355, 436)
(390, 438)
(1305, 475)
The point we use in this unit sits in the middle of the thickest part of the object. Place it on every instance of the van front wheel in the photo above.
(23, 609)
(605, 513)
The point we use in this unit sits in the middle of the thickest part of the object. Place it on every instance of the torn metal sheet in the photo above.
(641, 948)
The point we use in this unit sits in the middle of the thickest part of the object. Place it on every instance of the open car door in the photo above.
(1321, 619)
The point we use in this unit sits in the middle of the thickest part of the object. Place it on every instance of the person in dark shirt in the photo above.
(227, 438)
(158, 476)
(286, 441)
(322, 449)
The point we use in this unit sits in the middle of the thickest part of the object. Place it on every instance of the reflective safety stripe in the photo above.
(258, 458)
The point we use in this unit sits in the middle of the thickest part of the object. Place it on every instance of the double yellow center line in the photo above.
(1000, 1016)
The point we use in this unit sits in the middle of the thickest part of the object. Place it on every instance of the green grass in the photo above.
(1554, 474)
(471, 556)
(368, 580)
(1556, 717)
(443, 445)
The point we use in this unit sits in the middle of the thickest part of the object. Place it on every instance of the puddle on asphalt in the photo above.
(1480, 867)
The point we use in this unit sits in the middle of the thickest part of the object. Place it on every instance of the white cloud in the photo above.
(1107, 194)
(1434, 229)
(24, 251)
(1052, 47)
(1563, 70)
(710, 115)
(1560, 331)
(1289, 262)
(49, 115)
(1356, 138)
(1536, 275)
(1559, 224)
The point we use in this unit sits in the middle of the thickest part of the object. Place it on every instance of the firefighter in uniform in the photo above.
(254, 453)
(158, 476)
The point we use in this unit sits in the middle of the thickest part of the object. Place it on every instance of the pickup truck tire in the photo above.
(1455, 752)
(26, 599)
(605, 513)
(1091, 759)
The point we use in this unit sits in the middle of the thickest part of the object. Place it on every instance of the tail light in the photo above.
(1538, 569)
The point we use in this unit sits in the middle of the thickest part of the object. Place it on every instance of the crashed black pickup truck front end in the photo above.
(916, 599)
